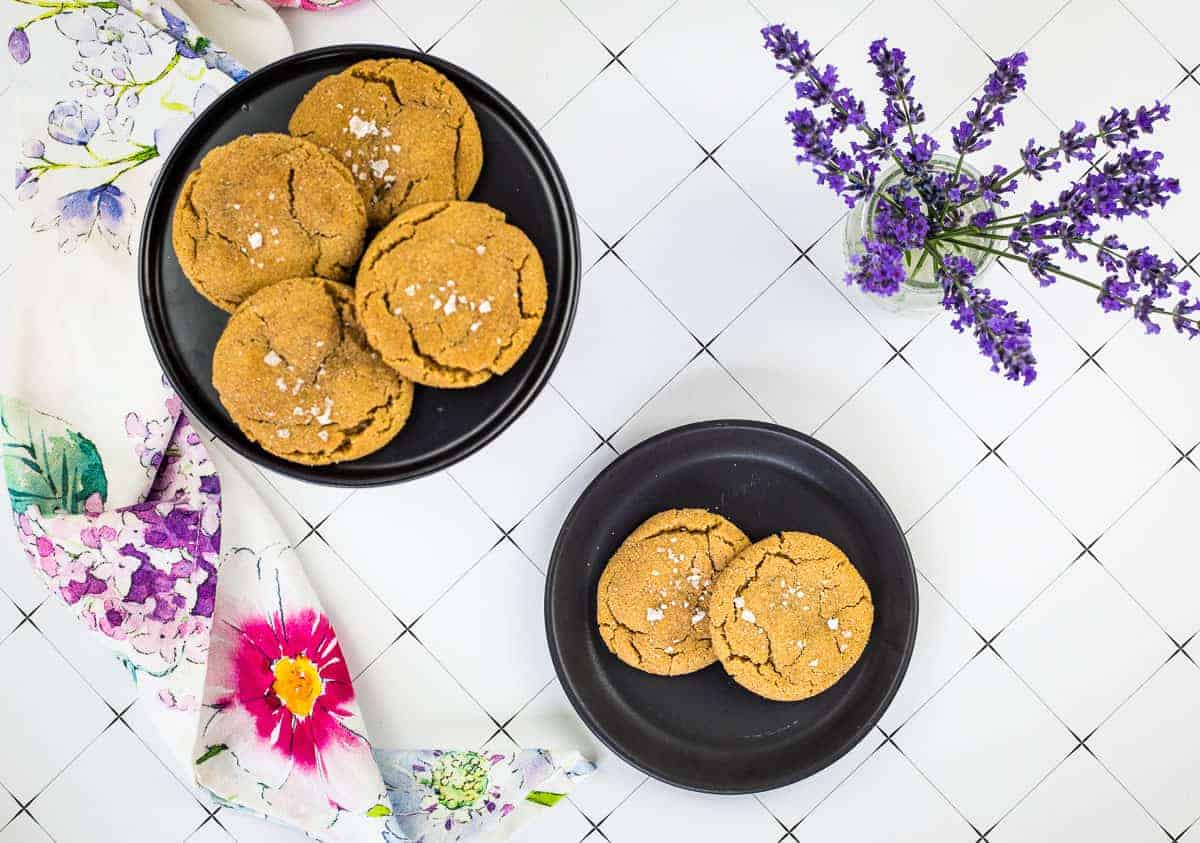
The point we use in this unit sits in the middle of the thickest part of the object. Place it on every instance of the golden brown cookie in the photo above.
(294, 371)
(404, 130)
(450, 294)
(264, 208)
(652, 604)
(790, 616)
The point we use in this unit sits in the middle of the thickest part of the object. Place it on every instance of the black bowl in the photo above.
(519, 177)
(703, 731)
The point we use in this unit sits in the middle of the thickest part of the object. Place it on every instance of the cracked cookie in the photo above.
(404, 130)
(790, 616)
(263, 208)
(295, 372)
(450, 294)
(653, 599)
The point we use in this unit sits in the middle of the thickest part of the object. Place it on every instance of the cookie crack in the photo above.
(404, 237)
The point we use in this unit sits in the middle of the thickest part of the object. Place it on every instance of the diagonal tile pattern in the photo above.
(1053, 691)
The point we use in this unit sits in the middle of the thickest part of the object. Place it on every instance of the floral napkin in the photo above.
(160, 548)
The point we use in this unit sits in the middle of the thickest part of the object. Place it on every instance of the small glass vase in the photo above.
(920, 292)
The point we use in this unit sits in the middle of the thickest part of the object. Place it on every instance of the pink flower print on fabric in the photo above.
(282, 700)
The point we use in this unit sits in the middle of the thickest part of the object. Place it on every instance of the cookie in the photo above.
(404, 130)
(652, 603)
(264, 208)
(450, 294)
(294, 371)
(790, 616)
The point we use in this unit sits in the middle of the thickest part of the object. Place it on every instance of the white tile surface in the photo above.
(109, 770)
(919, 455)
(624, 347)
(538, 531)
(985, 740)
(1080, 800)
(707, 79)
(1084, 646)
(792, 803)
(789, 336)
(613, 188)
(95, 663)
(945, 643)
(443, 714)
(990, 581)
(501, 685)
(660, 812)
(17, 578)
(424, 22)
(1150, 550)
(618, 22)
(815, 20)
(59, 714)
(828, 255)
(1170, 21)
(1071, 463)
(903, 807)
(1151, 744)
(760, 157)
(701, 391)
(312, 501)
(23, 829)
(538, 66)
(1080, 37)
(560, 826)
(210, 832)
(9, 617)
(994, 406)
(1155, 371)
(427, 553)
(975, 735)
(707, 287)
(1001, 28)
(911, 26)
(511, 475)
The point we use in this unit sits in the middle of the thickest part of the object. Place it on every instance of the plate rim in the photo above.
(791, 777)
(152, 306)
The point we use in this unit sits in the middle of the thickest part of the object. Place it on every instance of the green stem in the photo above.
(68, 5)
(144, 154)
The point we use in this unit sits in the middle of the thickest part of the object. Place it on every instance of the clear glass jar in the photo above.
(921, 291)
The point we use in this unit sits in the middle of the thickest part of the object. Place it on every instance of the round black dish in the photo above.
(703, 731)
(519, 177)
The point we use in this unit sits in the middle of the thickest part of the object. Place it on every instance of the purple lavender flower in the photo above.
(1002, 337)
(902, 221)
(18, 45)
(925, 205)
(880, 269)
(1179, 317)
(896, 84)
(33, 149)
(1002, 87)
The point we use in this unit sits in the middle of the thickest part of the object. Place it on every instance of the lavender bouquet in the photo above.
(933, 213)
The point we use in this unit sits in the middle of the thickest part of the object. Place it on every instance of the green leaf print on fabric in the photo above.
(544, 797)
(46, 463)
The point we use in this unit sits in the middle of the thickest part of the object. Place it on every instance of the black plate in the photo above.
(702, 731)
(519, 177)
